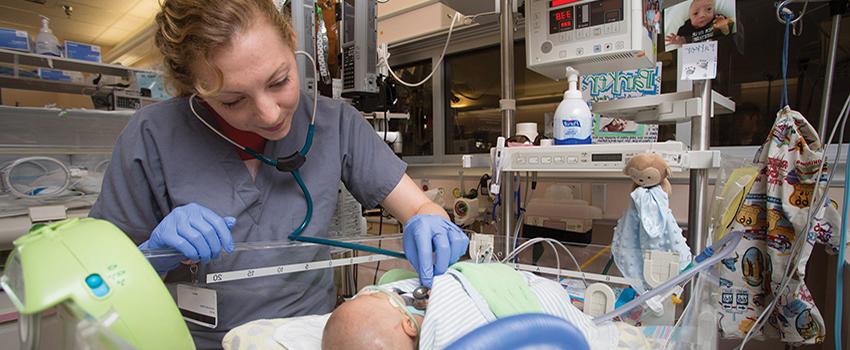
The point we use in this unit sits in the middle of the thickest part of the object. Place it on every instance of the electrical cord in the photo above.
(471, 19)
(552, 243)
(386, 59)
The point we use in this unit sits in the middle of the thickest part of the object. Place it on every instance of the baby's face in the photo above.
(701, 12)
(369, 321)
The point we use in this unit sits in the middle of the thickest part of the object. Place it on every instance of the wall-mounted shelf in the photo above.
(34, 84)
(676, 107)
(43, 61)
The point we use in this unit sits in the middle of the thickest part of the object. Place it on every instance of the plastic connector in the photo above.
(655, 305)
(676, 300)
(707, 253)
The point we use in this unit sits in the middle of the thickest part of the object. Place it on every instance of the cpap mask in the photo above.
(398, 299)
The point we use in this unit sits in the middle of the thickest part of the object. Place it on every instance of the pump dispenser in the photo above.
(573, 120)
(46, 43)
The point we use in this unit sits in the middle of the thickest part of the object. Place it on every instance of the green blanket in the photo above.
(504, 289)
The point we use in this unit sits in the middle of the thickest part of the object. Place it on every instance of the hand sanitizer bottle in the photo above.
(46, 43)
(573, 120)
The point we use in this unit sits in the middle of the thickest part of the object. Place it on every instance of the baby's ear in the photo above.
(409, 328)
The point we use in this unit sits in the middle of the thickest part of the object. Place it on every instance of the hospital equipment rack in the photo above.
(698, 107)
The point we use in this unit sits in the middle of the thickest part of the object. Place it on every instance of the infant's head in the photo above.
(701, 12)
(374, 319)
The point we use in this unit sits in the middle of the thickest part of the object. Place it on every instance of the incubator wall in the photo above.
(52, 156)
(257, 265)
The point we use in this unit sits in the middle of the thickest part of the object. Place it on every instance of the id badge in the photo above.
(198, 305)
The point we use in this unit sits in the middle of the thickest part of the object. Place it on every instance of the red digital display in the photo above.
(556, 3)
(561, 20)
(563, 15)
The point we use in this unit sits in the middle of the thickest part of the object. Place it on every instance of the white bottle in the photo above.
(46, 43)
(573, 120)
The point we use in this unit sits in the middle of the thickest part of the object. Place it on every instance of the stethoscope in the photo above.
(292, 164)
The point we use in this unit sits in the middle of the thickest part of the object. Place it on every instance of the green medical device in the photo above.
(94, 274)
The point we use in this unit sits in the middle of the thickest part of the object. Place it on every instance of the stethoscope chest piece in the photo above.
(420, 297)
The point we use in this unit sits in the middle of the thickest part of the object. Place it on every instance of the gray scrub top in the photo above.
(166, 158)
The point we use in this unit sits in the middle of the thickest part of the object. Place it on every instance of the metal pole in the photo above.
(700, 141)
(827, 79)
(508, 107)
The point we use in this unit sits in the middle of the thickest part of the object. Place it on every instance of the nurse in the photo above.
(174, 183)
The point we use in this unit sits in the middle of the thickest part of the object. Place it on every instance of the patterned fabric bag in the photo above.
(774, 212)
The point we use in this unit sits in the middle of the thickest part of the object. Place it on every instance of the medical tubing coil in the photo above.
(6, 184)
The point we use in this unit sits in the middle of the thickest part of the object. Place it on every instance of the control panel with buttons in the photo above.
(592, 36)
(603, 157)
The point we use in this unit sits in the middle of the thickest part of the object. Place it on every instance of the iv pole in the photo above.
(837, 9)
(508, 106)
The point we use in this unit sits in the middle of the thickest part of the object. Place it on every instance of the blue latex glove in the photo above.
(195, 231)
(431, 244)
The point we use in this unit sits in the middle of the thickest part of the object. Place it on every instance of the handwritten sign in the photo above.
(699, 61)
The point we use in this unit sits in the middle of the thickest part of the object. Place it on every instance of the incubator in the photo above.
(52, 156)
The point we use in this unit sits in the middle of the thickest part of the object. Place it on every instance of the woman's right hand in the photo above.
(195, 231)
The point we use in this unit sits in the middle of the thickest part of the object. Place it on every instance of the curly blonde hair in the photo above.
(188, 31)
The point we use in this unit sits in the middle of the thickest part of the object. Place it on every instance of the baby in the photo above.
(460, 302)
(377, 318)
(702, 25)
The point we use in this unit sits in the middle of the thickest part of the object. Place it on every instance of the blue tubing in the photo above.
(309, 141)
(296, 235)
(524, 331)
(839, 271)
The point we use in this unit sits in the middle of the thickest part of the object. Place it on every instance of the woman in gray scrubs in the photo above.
(174, 183)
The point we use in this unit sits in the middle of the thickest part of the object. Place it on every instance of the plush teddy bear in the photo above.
(648, 170)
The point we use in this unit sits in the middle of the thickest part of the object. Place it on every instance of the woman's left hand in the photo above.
(431, 244)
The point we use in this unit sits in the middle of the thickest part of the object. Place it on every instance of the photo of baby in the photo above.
(617, 125)
(698, 20)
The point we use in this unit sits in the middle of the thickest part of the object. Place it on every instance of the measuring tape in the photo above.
(236, 275)
(218, 277)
